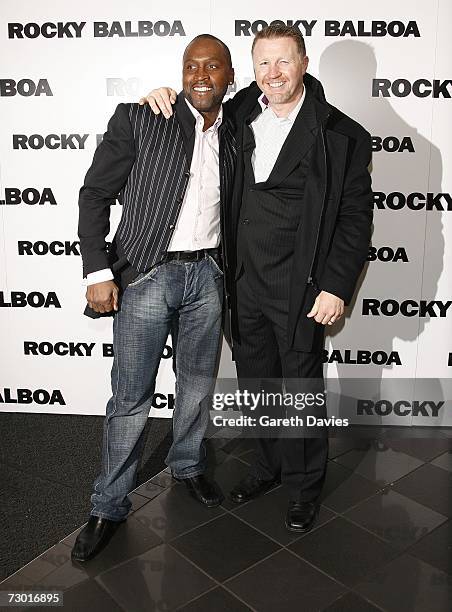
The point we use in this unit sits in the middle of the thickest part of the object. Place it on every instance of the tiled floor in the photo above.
(382, 542)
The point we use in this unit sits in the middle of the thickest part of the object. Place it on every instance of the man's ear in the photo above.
(231, 76)
(305, 62)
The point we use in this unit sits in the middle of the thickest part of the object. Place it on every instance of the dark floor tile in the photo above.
(285, 582)
(159, 579)
(218, 600)
(267, 513)
(227, 475)
(54, 570)
(224, 546)
(17, 581)
(429, 485)
(396, 518)
(163, 479)
(138, 501)
(344, 551)
(351, 602)
(444, 461)
(339, 446)
(344, 489)
(436, 548)
(408, 584)
(379, 464)
(46, 563)
(174, 512)
(422, 448)
(131, 539)
(149, 489)
(86, 596)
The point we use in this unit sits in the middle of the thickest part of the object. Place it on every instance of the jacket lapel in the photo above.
(297, 144)
(187, 123)
(227, 155)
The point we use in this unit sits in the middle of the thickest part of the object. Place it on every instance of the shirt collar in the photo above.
(200, 119)
(293, 113)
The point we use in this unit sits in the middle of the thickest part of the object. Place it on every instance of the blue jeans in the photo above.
(182, 295)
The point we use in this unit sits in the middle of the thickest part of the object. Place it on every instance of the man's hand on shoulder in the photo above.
(103, 297)
(327, 309)
(160, 100)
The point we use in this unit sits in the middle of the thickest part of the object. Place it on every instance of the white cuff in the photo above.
(98, 277)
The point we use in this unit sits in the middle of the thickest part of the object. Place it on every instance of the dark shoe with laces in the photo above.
(206, 492)
(93, 538)
(301, 516)
(251, 487)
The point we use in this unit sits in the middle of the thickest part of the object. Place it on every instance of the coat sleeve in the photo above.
(112, 163)
(351, 237)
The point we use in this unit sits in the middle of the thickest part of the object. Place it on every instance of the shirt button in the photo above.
(171, 227)
(245, 221)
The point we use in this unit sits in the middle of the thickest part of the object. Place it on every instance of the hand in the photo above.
(160, 100)
(327, 309)
(103, 297)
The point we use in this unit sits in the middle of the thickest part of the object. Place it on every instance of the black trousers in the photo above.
(263, 362)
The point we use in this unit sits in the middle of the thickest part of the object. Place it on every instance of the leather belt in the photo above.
(190, 255)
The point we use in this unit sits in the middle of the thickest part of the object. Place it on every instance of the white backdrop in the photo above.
(66, 66)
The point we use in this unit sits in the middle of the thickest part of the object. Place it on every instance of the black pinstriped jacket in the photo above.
(143, 161)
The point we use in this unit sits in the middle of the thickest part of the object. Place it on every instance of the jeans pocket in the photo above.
(217, 270)
(144, 276)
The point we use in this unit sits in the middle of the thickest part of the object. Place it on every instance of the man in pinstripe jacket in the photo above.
(162, 274)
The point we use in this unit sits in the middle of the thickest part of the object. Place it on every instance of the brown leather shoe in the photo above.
(251, 487)
(301, 516)
(93, 538)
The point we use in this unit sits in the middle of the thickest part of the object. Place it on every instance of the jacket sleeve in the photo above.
(351, 238)
(112, 163)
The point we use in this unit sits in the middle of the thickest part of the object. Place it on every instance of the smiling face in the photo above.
(279, 70)
(206, 74)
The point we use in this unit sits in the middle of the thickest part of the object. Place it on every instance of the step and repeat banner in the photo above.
(64, 69)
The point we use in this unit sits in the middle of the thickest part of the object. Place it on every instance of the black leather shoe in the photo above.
(249, 488)
(93, 538)
(203, 490)
(301, 516)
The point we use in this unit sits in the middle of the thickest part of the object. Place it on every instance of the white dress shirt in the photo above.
(270, 133)
(198, 224)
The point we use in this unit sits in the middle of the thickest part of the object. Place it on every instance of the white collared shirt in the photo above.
(198, 224)
(270, 133)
